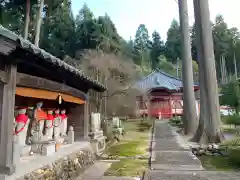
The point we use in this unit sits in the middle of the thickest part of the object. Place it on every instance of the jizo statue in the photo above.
(39, 117)
(64, 119)
(21, 126)
(57, 124)
(49, 125)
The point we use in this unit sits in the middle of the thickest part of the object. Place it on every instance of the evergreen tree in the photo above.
(157, 49)
(59, 30)
(173, 43)
(141, 45)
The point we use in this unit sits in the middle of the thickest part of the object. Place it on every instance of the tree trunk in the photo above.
(199, 135)
(38, 23)
(27, 19)
(187, 72)
(211, 132)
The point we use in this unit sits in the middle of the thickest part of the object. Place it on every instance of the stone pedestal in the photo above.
(38, 147)
(16, 150)
(98, 142)
(25, 150)
(48, 149)
(70, 136)
(117, 125)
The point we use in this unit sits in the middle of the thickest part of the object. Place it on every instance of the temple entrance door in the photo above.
(165, 108)
(161, 106)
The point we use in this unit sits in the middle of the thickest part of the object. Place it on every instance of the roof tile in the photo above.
(47, 56)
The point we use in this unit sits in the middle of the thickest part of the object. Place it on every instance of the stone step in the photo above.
(190, 175)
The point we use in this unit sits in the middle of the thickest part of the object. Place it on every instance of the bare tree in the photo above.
(119, 74)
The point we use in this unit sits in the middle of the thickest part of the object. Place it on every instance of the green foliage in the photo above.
(226, 42)
(216, 163)
(166, 66)
(157, 49)
(141, 45)
(176, 120)
(233, 120)
(234, 156)
(233, 152)
(59, 30)
(173, 49)
(231, 95)
(62, 35)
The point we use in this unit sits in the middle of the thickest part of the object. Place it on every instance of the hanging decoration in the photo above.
(59, 99)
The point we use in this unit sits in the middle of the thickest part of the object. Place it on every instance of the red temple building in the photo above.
(161, 96)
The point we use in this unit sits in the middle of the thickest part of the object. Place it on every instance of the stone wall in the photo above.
(67, 168)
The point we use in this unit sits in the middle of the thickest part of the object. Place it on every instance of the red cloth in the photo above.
(50, 117)
(63, 116)
(40, 115)
(21, 118)
(57, 115)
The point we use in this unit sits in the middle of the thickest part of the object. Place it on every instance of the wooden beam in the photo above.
(25, 80)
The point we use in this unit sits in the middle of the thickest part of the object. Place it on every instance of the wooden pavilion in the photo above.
(28, 75)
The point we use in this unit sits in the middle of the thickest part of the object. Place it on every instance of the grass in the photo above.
(134, 143)
(127, 167)
(128, 149)
(231, 162)
(218, 163)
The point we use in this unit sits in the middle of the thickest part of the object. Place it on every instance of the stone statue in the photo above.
(64, 122)
(95, 122)
(21, 126)
(57, 124)
(49, 125)
(39, 117)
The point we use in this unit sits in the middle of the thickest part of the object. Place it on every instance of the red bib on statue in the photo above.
(40, 115)
(22, 118)
(63, 116)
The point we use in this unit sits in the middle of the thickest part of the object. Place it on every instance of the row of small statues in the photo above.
(40, 126)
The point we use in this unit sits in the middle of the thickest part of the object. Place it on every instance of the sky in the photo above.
(127, 15)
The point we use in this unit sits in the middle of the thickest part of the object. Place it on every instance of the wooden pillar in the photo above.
(149, 108)
(86, 118)
(7, 102)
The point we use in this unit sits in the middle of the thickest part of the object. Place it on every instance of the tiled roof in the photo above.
(159, 79)
(48, 57)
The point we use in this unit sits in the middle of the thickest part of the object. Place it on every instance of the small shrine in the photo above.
(161, 96)
(44, 105)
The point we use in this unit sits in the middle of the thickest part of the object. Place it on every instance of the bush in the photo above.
(232, 120)
(176, 121)
(234, 156)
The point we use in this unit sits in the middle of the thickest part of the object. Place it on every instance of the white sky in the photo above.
(155, 14)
